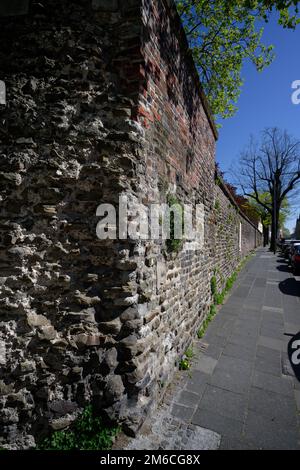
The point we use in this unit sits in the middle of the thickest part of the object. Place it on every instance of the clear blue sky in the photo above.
(265, 100)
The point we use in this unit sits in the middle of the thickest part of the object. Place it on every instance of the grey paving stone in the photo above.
(290, 305)
(248, 321)
(273, 299)
(247, 330)
(232, 313)
(272, 383)
(247, 314)
(273, 366)
(246, 341)
(224, 402)
(258, 289)
(248, 282)
(235, 380)
(205, 363)
(285, 341)
(268, 353)
(253, 304)
(231, 443)
(241, 292)
(280, 409)
(233, 302)
(211, 330)
(270, 325)
(286, 366)
(230, 309)
(291, 328)
(215, 340)
(231, 363)
(227, 319)
(297, 396)
(271, 333)
(275, 318)
(220, 321)
(266, 434)
(240, 352)
(225, 332)
(187, 398)
(244, 282)
(181, 412)
(273, 302)
(196, 382)
(253, 309)
(296, 384)
(213, 351)
(215, 422)
(260, 282)
(292, 317)
(268, 308)
(272, 343)
(256, 295)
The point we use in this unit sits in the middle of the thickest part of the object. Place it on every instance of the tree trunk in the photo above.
(274, 233)
(266, 235)
(273, 236)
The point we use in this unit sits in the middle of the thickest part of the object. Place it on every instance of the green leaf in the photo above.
(223, 34)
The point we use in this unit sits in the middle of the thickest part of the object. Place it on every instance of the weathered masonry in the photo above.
(103, 99)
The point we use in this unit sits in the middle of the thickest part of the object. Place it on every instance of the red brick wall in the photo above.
(172, 108)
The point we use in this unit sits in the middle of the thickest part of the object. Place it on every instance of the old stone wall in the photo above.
(103, 99)
(235, 234)
(68, 143)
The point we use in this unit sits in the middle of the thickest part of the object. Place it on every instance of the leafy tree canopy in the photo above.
(223, 34)
(265, 215)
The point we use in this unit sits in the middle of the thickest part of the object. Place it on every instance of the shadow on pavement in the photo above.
(290, 287)
(283, 268)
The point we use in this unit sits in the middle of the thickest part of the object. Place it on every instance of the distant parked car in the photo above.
(287, 247)
(292, 248)
(296, 260)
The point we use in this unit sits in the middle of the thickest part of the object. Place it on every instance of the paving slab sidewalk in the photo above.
(241, 392)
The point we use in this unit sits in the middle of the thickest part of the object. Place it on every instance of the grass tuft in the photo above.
(87, 433)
